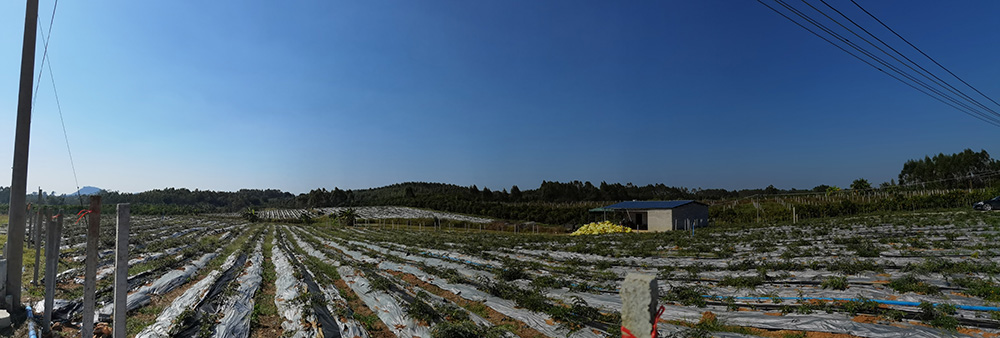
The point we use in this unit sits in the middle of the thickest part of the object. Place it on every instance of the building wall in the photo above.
(680, 218)
(694, 213)
(660, 220)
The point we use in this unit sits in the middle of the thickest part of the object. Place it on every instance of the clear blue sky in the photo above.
(297, 95)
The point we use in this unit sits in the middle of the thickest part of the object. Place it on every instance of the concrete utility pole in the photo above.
(19, 178)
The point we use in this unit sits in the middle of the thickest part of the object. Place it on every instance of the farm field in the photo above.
(367, 213)
(906, 274)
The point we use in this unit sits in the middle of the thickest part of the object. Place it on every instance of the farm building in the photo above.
(663, 215)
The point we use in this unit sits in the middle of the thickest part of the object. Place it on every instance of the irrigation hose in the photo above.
(31, 322)
(880, 301)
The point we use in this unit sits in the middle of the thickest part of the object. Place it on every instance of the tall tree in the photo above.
(861, 184)
(966, 169)
(515, 193)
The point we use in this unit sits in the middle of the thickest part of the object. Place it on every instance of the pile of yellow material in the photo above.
(605, 227)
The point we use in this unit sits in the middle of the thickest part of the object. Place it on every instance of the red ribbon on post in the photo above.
(81, 214)
(628, 334)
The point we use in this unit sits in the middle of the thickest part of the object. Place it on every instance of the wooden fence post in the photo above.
(90, 268)
(51, 265)
(121, 271)
(639, 299)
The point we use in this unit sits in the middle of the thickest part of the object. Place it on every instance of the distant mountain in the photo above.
(86, 191)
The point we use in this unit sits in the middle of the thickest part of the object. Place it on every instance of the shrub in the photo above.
(861, 305)
(986, 290)
(835, 282)
(938, 316)
(742, 282)
(910, 283)
(466, 329)
(687, 295)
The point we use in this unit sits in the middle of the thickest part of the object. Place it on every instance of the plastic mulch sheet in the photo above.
(166, 283)
(287, 291)
(165, 321)
(235, 321)
(820, 322)
(538, 321)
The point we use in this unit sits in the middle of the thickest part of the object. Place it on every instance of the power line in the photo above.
(46, 37)
(927, 89)
(938, 79)
(922, 52)
(973, 113)
(45, 50)
(65, 135)
(876, 58)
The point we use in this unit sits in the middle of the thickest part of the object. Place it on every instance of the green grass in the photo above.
(134, 324)
(478, 308)
(263, 305)
(368, 321)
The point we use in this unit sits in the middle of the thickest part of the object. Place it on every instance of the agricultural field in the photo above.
(905, 274)
(367, 213)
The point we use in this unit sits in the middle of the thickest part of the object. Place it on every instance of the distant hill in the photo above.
(86, 191)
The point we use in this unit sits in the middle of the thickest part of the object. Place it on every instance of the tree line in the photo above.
(552, 202)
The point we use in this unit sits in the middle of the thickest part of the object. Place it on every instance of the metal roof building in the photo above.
(663, 215)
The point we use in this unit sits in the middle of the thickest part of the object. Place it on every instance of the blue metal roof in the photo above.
(650, 204)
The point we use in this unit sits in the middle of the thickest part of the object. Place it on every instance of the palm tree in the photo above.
(348, 216)
(250, 215)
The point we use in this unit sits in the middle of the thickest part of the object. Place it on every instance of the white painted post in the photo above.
(639, 299)
(51, 265)
(29, 225)
(90, 268)
(39, 224)
(121, 271)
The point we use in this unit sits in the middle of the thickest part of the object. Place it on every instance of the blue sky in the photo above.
(224, 95)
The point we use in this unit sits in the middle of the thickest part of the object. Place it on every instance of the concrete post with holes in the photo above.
(51, 265)
(121, 271)
(90, 268)
(639, 299)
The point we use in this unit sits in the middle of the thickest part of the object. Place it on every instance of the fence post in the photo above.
(121, 271)
(639, 297)
(90, 268)
(37, 238)
(28, 224)
(51, 265)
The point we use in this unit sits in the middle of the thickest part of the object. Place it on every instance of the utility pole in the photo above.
(19, 179)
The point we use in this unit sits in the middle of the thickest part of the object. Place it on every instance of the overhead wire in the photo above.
(922, 52)
(937, 79)
(46, 37)
(979, 116)
(72, 163)
(45, 50)
(880, 60)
